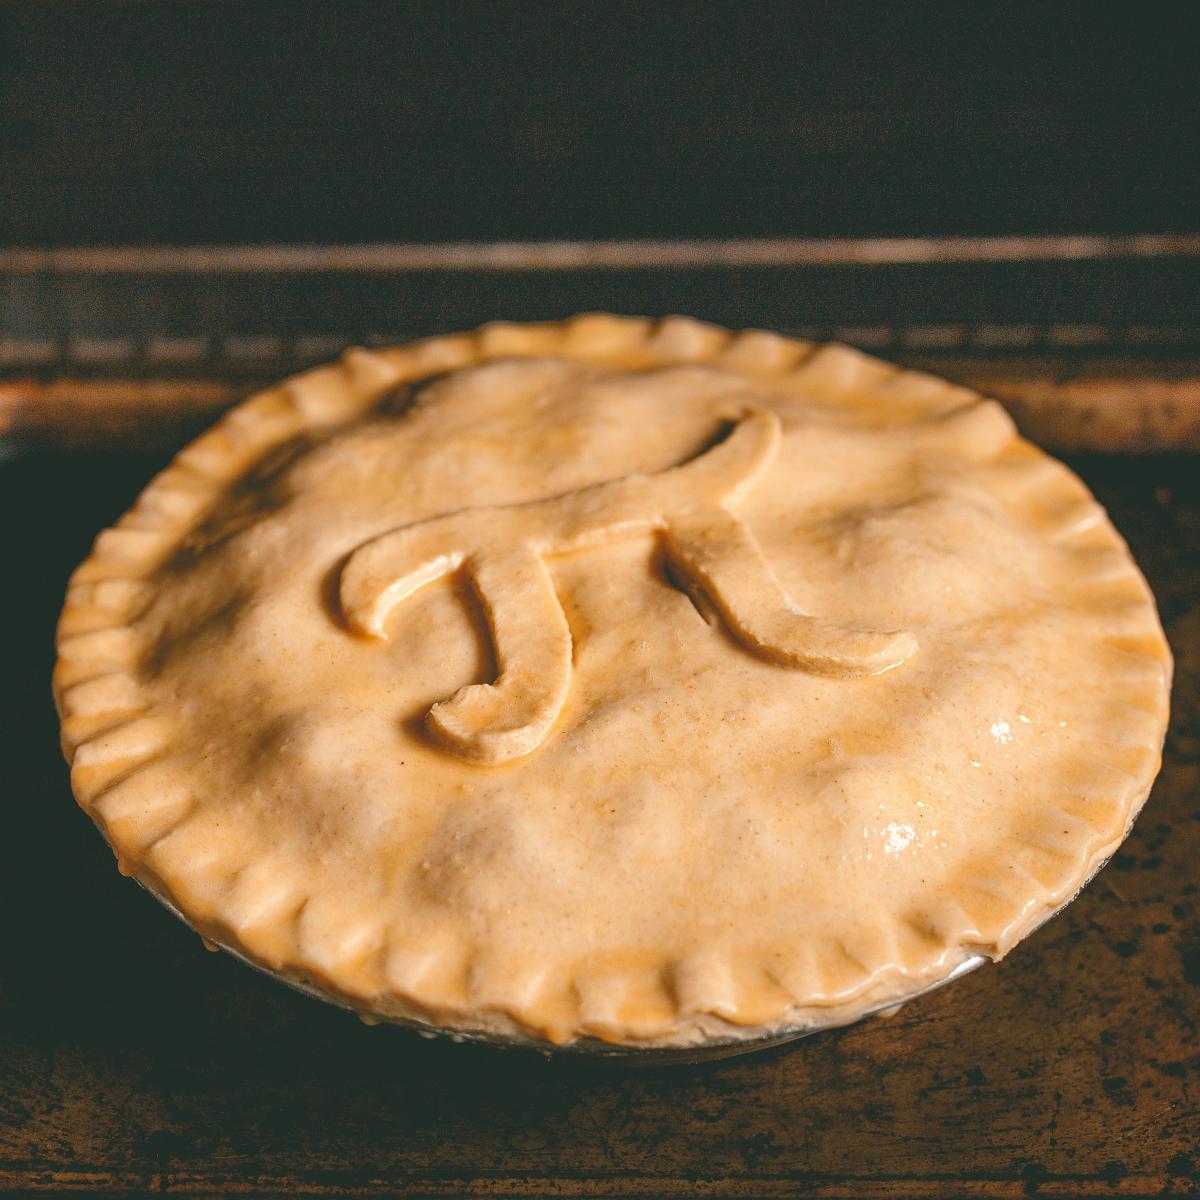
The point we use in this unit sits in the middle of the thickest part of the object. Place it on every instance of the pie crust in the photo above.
(613, 679)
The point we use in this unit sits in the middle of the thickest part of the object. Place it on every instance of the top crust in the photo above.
(613, 678)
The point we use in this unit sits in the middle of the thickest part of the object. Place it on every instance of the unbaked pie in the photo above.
(615, 680)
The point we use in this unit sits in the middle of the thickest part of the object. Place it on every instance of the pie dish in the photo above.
(613, 680)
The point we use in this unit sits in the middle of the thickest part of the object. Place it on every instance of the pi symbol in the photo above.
(503, 549)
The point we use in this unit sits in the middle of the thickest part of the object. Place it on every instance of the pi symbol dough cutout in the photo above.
(503, 549)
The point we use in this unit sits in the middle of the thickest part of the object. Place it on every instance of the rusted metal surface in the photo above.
(133, 1061)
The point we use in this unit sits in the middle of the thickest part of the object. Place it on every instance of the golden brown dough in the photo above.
(638, 681)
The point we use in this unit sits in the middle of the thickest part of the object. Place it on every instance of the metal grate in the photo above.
(1092, 342)
(250, 311)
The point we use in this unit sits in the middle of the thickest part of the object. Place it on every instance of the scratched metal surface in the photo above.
(131, 1060)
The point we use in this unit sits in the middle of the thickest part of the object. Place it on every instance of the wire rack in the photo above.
(91, 335)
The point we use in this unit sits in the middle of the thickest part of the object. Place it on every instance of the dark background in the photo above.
(326, 122)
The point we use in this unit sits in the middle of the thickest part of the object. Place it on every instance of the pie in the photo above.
(613, 679)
